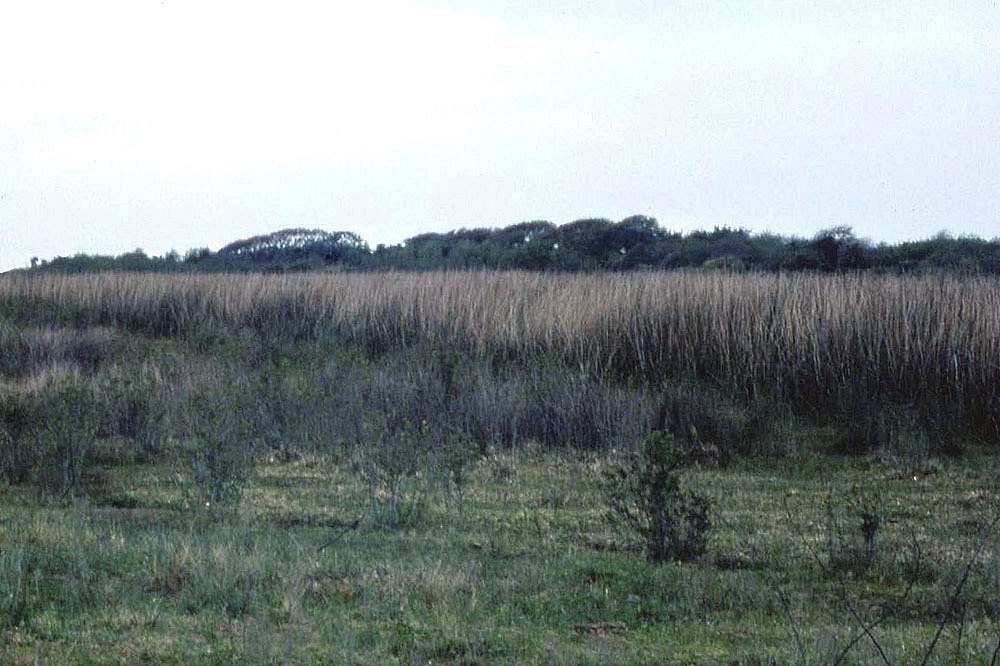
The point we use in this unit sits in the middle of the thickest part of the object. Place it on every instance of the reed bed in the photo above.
(820, 342)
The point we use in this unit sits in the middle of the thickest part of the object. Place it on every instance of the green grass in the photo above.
(532, 572)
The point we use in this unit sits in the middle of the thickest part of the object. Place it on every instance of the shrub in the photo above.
(450, 460)
(713, 427)
(569, 407)
(14, 463)
(646, 494)
(220, 451)
(47, 436)
(853, 547)
(133, 408)
(390, 459)
(71, 414)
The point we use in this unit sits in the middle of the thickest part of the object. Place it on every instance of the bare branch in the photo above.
(958, 589)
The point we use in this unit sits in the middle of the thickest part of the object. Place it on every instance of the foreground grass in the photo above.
(529, 571)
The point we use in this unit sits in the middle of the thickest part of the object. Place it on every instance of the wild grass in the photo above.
(533, 572)
(928, 347)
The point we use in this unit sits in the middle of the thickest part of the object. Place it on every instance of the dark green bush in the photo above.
(46, 437)
(70, 414)
(646, 494)
(134, 409)
(390, 459)
(221, 447)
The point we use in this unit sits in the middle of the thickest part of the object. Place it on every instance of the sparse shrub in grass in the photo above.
(713, 428)
(390, 460)
(57, 429)
(894, 433)
(449, 460)
(489, 408)
(413, 433)
(647, 495)
(564, 407)
(28, 350)
(869, 422)
(855, 523)
(12, 465)
(866, 427)
(221, 447)
(311, 401)
(18, 451)
(136, 410)
(945, 424)
(570, 407)
(15, 355)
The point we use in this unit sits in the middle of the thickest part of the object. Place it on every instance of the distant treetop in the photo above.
(590, 244)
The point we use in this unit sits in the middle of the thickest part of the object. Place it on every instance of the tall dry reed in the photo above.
(821, 341)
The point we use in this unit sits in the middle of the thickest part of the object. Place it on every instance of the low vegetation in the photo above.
(459, 468)
(646, 495)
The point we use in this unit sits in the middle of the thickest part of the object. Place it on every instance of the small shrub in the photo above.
(574, 408)
(646, 494)
(390, 459)
(712, 427)
(11, 467)
(220, 452)
(15, 354)
(854, 531)
(134, 409)
(68, 417)
(450, 460)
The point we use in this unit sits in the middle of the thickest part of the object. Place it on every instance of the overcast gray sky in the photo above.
(174, 124)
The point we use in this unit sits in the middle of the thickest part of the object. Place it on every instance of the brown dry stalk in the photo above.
(801, 336)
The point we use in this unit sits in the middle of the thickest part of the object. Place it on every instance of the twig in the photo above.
(842, 592)
(886, 612)
(345, 530)
(791, 620)
(865, 631)
(958, 589)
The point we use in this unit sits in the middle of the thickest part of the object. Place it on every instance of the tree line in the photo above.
(593, 244)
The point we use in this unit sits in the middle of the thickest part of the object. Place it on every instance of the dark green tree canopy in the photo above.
(303, 240)
(591, 244)
(298, 248)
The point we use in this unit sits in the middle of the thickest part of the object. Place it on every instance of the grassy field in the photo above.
(530, 572)
(183, 461)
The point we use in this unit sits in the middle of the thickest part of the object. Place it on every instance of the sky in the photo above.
(171, 124)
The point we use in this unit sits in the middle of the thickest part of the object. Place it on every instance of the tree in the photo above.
(296, 248)
(635, 230)
(839, 250)
(589, 240)
(524, 233)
